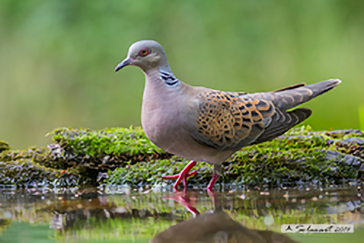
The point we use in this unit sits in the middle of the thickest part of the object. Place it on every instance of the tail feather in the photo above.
(294, 86)
(292, 96)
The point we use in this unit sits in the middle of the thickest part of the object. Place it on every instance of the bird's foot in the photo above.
(183, 175)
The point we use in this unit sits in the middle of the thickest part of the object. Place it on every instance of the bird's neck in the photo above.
(162, 76)
(160, 95)
(161, 86)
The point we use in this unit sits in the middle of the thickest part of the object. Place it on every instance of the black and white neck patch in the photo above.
(168, 78)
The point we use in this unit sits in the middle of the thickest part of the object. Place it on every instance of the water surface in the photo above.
(122, 215)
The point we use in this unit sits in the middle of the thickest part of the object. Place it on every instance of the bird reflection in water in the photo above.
(216, 227)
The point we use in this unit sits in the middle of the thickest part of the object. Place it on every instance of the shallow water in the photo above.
(123, 215)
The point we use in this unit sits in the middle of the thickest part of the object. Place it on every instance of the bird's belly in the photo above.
(176, 142)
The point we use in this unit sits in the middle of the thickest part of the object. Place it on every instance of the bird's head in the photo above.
(146, 54)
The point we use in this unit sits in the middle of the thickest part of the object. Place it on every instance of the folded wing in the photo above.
(229, 121)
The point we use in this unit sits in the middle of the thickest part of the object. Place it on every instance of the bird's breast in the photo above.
(169, 119)
(163, 121)
(171, 130)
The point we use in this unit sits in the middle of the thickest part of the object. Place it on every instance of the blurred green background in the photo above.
(57, 57)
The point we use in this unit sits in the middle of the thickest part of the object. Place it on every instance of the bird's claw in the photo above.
(183, 175)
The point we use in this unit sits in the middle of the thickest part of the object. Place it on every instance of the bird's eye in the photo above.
(143, 52)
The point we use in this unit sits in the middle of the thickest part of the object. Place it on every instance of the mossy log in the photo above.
(125, 156)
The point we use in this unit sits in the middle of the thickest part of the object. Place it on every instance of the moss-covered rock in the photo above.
(83, 156)
(300, 157)
(26, 172)
(104, 149)
(37, 166)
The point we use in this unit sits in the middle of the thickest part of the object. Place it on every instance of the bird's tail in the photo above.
(292, 96)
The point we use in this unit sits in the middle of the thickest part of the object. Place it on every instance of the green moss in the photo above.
(104, 149)
(283, 168)
(301, 156)
(110, 141)
(4, 146)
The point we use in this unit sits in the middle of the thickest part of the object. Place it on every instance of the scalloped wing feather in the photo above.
(229, 120)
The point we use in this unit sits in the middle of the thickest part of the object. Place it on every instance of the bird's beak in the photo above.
(124, 63)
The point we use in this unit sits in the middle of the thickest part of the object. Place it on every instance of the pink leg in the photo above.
(215, 177)
(182, 175)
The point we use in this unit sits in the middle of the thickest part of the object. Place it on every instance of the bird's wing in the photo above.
(229, 121)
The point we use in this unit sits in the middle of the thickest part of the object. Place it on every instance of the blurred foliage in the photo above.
(361, 117)
(57, 57)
